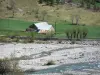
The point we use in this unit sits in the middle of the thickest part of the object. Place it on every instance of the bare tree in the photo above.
(13, 7)
(44, 13)
(75, 19)
(36, 11)
(1, 5)
(72, 19)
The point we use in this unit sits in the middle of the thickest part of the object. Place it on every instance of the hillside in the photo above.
(32, 11)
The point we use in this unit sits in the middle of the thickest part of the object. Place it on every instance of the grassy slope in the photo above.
(56, 13)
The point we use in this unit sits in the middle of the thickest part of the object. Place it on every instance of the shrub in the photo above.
(10, 66)
(67, 74)
(30, 70)
(49, 35)
(4, 66)
(77, 33)
(5, 39)
(32, 35)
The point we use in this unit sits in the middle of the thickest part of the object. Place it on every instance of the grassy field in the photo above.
(17, 27)
(7, 24)
(93, 31)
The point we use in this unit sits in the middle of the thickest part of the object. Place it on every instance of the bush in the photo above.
(49, 35)
(67, 74)
(32, 35)
(5, 39)
(30, 70)
(4, 66)
(9, 66)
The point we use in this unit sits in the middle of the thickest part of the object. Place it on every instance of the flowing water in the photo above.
(70, 67)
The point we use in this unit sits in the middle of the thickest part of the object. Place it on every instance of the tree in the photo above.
(75, 19)
(13, 7)
(51, 2)
(44, 13)
(49, 35)
(98, 1)
(36, 11)
(88, 5)
(57, 1)
(47, 2)
(32, 36)
(69, 34)
(85, 32)
(76, 33)
(40, 1)
(82, 3)
(72, 19)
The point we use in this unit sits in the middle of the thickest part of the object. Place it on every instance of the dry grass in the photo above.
(56, 13)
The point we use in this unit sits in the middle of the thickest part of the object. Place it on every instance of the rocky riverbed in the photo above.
(34, 56)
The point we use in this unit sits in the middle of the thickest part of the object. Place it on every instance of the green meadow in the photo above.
(93, 30)
(14, 25)
(17, 27)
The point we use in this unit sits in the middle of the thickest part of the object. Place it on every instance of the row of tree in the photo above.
(83, 3)
(89, 4)
(52, 2)
(48, 2)
(76, 33)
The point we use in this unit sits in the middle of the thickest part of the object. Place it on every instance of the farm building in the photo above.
(42, 27)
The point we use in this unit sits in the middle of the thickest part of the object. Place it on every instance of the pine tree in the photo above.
(40, 1)
(57, 1)
(82, 3)
(51, 2)
(88, 3)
